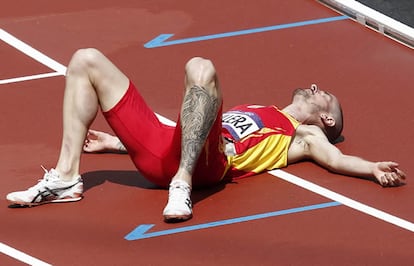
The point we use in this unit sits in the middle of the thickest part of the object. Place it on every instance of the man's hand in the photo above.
(388, 174)
(97, 141)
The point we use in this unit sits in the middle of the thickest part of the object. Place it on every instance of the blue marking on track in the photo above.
(140, 232)
(161, 40)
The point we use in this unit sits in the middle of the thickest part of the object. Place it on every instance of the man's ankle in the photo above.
(67, 176)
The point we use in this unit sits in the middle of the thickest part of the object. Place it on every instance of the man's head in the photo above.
(320, 108)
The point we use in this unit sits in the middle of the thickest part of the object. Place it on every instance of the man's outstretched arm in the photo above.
(319, 149)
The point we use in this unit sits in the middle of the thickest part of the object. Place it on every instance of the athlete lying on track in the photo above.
(206, 148)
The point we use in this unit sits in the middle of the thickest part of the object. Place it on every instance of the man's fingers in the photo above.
(395, 179)
(391, 179)
(383, 181)
(400, 173)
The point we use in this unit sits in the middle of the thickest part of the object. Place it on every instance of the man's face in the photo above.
(314, 100)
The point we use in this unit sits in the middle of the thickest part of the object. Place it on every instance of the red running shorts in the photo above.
(155, 148)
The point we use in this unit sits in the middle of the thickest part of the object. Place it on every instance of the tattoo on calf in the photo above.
(198, 114)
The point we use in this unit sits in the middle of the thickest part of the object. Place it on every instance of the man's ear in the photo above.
(328, 120)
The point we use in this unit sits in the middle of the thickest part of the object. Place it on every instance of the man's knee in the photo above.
(84, 59)
(200, 71)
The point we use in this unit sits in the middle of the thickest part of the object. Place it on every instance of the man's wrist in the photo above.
(114, 144)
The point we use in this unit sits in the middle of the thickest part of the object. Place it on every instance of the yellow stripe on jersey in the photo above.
(269, 153)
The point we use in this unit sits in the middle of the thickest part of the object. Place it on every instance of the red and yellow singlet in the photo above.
(259, 139)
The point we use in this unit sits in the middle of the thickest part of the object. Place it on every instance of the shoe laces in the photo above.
(179, 191)
(48, 176)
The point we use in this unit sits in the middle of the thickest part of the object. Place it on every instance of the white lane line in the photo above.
(32, 77)
(344, 200)
(23, 257)
(31, 52)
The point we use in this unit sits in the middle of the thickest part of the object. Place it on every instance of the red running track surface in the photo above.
(371, 74)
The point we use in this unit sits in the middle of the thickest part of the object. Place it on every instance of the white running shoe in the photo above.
(179, 206)
(47, 190)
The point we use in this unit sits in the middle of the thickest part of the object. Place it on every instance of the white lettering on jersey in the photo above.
(241, 124)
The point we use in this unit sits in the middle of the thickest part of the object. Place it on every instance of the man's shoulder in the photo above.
(299, 147)
(310, 134)
(306, 137)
